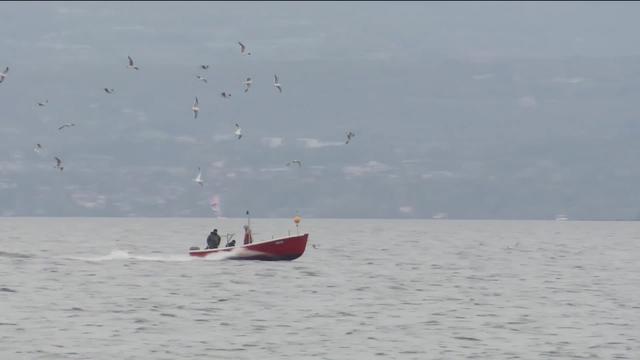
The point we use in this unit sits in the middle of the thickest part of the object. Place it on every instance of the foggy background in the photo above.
(505, 110)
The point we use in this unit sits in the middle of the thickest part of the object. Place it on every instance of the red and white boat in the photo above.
(283, 248)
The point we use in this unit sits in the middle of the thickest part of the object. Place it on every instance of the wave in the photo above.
(14, 255)
(124, 255)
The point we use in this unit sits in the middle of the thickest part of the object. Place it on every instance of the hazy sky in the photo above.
(172, 32)
(474, 109)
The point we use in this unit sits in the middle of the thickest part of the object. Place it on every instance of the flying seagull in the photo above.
(204, 67)
(350, 135)
(198, 178)
(201, 78)
(109, 91)
(225, 95)
(4, 74)
(243, 48)
(247, 84)
(276, 83)
(195, 108)
(43, 103)
(131, 65)
(295, 162)
(58, 163)
(238, 132)
(38, 148)
(66, 125)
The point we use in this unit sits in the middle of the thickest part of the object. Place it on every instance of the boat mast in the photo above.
(248, 238)
(296, 220)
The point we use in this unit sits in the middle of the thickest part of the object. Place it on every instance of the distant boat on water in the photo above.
(440, 216)
(561, 217)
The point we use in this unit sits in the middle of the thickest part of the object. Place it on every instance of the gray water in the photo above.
(394, 289)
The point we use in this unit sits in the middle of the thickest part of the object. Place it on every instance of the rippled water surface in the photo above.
(125, 289)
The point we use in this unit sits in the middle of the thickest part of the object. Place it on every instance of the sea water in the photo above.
(111, 288)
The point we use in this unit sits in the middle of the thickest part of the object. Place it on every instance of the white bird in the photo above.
(295, 162)
(38, 148)
(276, 83)
(201, 78)
(4, 74)
(204, 67)
(66, 125)
(195, 108)
(198, 178)
(58, 163)
(238, 132)
(350, 135)
(109, 91)
(131, 65)
(247, 84)
(243, 48)
(43, 103)
(225, 95)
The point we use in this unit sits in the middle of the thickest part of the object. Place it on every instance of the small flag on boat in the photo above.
(215, 204)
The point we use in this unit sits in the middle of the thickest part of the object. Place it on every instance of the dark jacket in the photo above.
(213, 241)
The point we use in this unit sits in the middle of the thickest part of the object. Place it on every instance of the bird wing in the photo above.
(130, 61)
(6, 70)
(241, 46)
(276, 78)
(279, 88)
(195, 104)
(58, 161)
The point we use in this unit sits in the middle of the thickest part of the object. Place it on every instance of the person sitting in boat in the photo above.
(230, 241)
(213, 240)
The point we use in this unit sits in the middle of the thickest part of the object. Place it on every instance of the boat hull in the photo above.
(286, 248)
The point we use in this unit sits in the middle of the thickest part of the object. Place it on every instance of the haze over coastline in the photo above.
(478, 111)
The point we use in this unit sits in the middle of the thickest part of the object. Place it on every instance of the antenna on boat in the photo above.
(248, 219)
